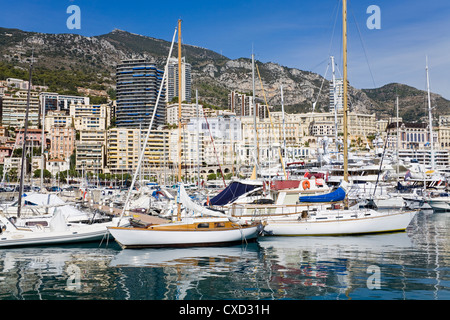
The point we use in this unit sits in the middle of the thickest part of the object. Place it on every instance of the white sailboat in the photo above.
(203, 227)
(58, 231)
(49, 229)
(341, 221)
(440, 203)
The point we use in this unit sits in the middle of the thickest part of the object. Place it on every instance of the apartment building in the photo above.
(58, 119)
(137, 89)
(51, 101)
(126, 144)
(411, 136)
(56, 166)
(242, 105)
(172, 85)
(270, 136)
(14, 107)
(360, 125)
(90, 117)
(34, 137)
(5, 152)
(444, 137)
(91, 151)
(218, 127)
(444, 132)
(188, 112)
(62, 142)
(336, 95)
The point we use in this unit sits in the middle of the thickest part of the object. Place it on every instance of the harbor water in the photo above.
(412, 265)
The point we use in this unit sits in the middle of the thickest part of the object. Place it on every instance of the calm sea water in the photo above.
(410, 265)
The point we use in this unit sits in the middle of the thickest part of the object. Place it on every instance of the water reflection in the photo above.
(196, 273)
(42, 272)
(330, 267)
(409, 265)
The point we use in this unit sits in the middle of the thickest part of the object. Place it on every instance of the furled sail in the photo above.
(193, 207)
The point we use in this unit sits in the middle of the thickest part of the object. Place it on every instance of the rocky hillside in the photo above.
(65, 62)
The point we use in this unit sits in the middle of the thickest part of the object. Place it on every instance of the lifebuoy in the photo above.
(306, 185)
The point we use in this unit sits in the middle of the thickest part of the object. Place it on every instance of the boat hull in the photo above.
(94, 232)
(439, 204)
(364, 224)
(142, 238)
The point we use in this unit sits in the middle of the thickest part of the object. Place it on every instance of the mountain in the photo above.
(65, 62)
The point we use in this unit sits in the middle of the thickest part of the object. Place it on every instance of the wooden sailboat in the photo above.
(212, 228)
(342, 221)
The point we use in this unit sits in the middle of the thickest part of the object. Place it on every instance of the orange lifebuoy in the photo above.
(306, 185)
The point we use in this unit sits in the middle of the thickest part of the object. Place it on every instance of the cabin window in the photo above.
(219, 225)
(36, 223)
(203, 225)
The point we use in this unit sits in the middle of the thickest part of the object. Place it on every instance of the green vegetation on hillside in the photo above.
(58, 80)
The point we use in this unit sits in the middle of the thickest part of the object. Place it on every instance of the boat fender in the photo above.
(306, 185)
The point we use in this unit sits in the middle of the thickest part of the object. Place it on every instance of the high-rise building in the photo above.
(339, 94)
(172, 80)
(138, 85)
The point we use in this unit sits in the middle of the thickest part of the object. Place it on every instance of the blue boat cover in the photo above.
(231, 193)
(337, 195)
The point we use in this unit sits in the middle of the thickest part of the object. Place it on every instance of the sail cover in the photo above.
(233, 191)
(337, 195)
(192, 207)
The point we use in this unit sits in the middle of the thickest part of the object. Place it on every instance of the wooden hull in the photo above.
(182, 235)
(373, 222)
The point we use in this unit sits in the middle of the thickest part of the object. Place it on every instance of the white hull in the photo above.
(137, 238)
(365, 222)
(440, 203)
(417, 203)
(46, 236)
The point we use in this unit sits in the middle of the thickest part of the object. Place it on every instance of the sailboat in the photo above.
(443, 201)
(49, 229)
(341, 221)
(202, 227)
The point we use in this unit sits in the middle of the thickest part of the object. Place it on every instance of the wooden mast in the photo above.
(179, 115)
(344, 35)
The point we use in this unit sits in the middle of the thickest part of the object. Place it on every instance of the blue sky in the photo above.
(293, 33)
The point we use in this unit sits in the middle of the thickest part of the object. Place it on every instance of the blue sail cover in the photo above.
(337, 195)
(231, 193)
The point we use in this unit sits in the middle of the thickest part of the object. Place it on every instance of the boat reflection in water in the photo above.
(199, 272)
(330, 267)
(407, 265)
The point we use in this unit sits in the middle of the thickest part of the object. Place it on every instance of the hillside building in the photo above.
(138, 85)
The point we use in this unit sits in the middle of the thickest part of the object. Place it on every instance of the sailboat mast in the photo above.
(430, 117)
(335, 106)
(284, 123)
(254, 116)
(198, 139)
(179, 114)
(398, 143)
(24, 148)
(344, 34)
(43, 140)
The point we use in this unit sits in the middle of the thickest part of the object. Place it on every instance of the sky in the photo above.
(294, 33)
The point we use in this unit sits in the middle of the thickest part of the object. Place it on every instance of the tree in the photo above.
(47, 174)
(211, 176)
